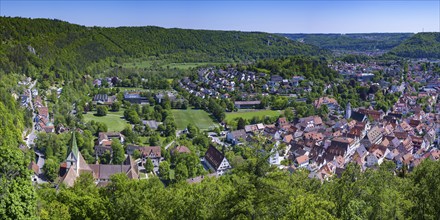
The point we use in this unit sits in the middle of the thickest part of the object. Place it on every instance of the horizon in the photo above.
(287, 17)
(317, 33)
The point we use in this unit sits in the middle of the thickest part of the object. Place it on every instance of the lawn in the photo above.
(113, 120)
(249, 114)
(197, 117)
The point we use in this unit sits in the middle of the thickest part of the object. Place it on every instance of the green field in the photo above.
(164, 64)
(188, 65)
(138, 64)
(113, 120)
(249, 114)
(197, 117)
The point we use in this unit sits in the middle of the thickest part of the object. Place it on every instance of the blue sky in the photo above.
(269, 16)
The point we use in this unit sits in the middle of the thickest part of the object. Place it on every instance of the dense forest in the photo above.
(17, 195)
(29, 45)
(421, 45)
(357, 42)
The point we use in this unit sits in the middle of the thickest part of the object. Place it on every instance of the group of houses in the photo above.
(219, 83)
(365, 136)
(75, 164)
(43, 122)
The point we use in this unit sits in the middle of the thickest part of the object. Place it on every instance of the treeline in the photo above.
(357, 42)
(421, 45)
(254, 191)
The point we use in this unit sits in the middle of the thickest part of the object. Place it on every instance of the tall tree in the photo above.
(118, 152)
(181, 172)
(101, 110)
(149, 166)
(17, 194)
(51, 168)
(164, 170)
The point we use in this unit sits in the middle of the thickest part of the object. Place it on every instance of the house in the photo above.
(331, 103)
(103, 99)
(180, 150)
(310, 122)
(104, 147)
(377, 155)
(105, 140)
(235, 137)
(358, 116)
(288, 138)
(171, 96)
(365, 77)
(360, 155)
(97, 82)
(282, 121)
(35, 171)
(75, 165)
(375, 115)
(251, 128)
(216, 161)
(151, 124)
(342, 146)
(108, 136)
(135, 98)
(302, 161)
(43, 112)
(274, 158)
(375, 135)
(152, 152)
(247, 104)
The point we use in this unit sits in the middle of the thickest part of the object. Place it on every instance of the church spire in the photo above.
(348, 111)
(74, 146)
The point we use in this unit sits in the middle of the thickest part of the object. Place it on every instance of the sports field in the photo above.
(198, 117)
(113, 120)
(249, 114)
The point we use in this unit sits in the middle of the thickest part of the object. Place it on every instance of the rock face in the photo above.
(32, 50)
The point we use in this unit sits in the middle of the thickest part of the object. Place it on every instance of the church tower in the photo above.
(348, 111)
(73, 156)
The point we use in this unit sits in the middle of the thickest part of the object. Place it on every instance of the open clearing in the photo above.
(249, 114)
(113, 120)
(198, 117)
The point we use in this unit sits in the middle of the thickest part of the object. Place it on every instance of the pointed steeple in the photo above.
(74, 146)
(348, 111)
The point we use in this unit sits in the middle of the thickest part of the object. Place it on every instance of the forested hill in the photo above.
(358, 42)
(29, 43)
(421, 45)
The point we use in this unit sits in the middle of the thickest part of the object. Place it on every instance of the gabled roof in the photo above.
(181, 149)
(69, 178)
(34, 167)
(302, 159)
(154, 151)
(104, 171)
(358, 116)
(214, 157)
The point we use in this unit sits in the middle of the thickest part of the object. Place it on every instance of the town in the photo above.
(219, 110)
(323, 144)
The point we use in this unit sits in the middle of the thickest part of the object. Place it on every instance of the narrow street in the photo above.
(169, 145)
(31, 137)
